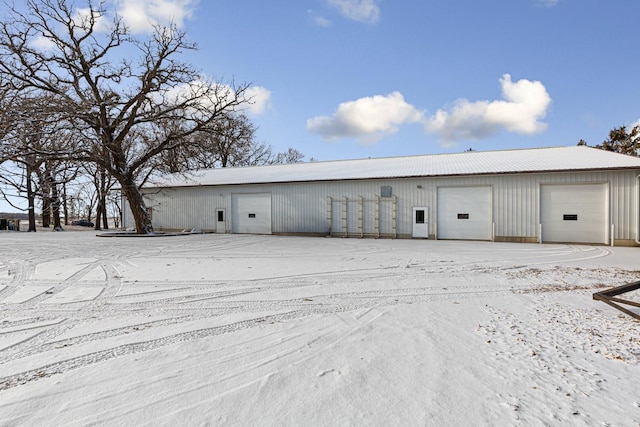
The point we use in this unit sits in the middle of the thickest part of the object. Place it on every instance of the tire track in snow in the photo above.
(215, 304)
(128, 349)
(73, 363)
(301, 307)
(268, 292)
(39, 342)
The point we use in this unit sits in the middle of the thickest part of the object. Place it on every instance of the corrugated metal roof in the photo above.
(552, 159)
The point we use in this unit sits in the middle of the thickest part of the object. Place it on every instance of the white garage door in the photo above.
(251, 213)
(464, 213)
(574, 213)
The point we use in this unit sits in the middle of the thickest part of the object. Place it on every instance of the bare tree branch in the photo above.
(113, 105)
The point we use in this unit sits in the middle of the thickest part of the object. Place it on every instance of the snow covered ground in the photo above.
(266, 330)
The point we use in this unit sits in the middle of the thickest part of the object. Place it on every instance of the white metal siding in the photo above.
(303, 207)
(464, 213)
(251, 213)
(574, 213)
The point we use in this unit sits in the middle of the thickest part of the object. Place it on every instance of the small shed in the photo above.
(560, 194)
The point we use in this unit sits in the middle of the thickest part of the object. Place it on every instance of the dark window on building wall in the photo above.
(420, 217)
(385, 191)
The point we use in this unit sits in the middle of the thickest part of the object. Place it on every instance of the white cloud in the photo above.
(42, 43)
(260, 99)
(205, 90)
(368, 119)
(318, 20)
(522, 109)
(257, 99)
(525, 104)
(142, 15)
(366, 11)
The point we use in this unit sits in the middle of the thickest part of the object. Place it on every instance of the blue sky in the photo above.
(342, 79)
(367, 78)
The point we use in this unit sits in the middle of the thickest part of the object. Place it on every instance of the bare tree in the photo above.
(114, 207)
(114, 103)
(54, 175)
(227, 141)
(8, 116)
(25, 142)
(103, 183)
(230, 141)
(8, 122)
(17, 178)
(290, 156)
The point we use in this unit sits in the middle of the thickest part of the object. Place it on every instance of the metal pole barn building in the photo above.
(560, 194)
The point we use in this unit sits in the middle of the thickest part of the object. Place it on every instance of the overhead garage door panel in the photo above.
(251, 213)
(465, 213)
(574, 213)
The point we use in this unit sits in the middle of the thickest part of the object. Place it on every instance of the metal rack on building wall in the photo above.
(360, 201)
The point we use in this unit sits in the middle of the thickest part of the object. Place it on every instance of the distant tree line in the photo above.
(86, 107)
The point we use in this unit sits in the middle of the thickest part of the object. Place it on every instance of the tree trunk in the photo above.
(31, 200)
(105, 218)
(64, 203)
(101, 196)
(117, 219)
(46, 208)
(46, 197)
(137, 206)
(99, 209)
(55, 206)
(89, 208)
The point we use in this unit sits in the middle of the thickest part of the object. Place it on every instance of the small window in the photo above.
(570, 217)
(220, 216)
(385, 191)
(463, 216)
(420, 217)
(252, 215)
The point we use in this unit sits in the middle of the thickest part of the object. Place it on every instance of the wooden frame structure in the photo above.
(610, 296)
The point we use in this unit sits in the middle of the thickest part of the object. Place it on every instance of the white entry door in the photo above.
(421, 222)
(575, 213)
(465, 213)
(221, 221)
(251, 213)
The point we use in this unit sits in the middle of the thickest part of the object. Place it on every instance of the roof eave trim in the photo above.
(528, 172)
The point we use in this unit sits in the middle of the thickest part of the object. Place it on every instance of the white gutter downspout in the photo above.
(613, 239)
(638, 209)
